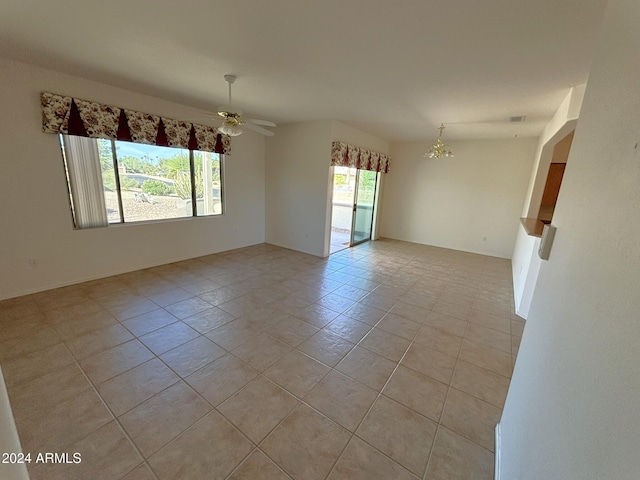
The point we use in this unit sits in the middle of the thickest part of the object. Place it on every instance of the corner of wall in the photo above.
(525, 264)
(498, 444)
(575, 104)
(297, 161)
(9, 440)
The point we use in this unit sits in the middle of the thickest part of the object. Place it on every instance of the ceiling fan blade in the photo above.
(265, 123)
(260, 130)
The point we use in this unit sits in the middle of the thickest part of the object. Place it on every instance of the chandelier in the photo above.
(439, 149)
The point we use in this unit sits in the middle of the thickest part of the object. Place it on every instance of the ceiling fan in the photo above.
(233, 122)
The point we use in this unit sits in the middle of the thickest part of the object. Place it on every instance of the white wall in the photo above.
(456, 202)
(299, 180)
(298, 159)
(525, 261)
(561, 124)
(35, 222)
(9, 440)
(525, 265)
(572, 408)
(346, 133)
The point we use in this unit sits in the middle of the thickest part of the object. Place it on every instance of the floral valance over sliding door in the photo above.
(345, 155)
(73, 116)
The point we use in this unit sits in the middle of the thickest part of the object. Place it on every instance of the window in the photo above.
(122, 182)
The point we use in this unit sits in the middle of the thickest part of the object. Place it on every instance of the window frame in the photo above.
(115, 165)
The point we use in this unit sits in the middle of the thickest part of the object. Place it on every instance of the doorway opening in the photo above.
(354, 193)
(344, 181)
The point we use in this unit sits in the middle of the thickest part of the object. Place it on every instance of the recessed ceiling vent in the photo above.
(517, 118)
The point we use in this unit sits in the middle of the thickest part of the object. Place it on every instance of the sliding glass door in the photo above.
(365, 194)
(343, 198)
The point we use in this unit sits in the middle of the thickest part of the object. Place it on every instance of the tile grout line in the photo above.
(444, 405)
(378, 395)
(115, 418)
(412, 341)
(155, 356)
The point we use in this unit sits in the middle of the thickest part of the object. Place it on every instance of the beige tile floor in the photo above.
(390, 360)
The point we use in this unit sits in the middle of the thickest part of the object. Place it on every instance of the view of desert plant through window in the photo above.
(155, 182)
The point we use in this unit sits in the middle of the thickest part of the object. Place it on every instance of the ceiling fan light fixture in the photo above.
(232, 121)
(439, 149)
(230, 127)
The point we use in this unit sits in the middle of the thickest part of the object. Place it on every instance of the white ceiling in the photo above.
(394, 69)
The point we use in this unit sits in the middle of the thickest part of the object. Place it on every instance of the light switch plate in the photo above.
(548, 233)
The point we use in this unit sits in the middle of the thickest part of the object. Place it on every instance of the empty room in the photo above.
(319, 240)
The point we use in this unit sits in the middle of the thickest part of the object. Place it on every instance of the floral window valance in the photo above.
(73, 116)
(345, 155)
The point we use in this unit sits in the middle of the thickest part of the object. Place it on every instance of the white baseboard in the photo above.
(497, 457)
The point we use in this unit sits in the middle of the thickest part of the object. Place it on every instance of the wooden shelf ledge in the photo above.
(533, 226)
